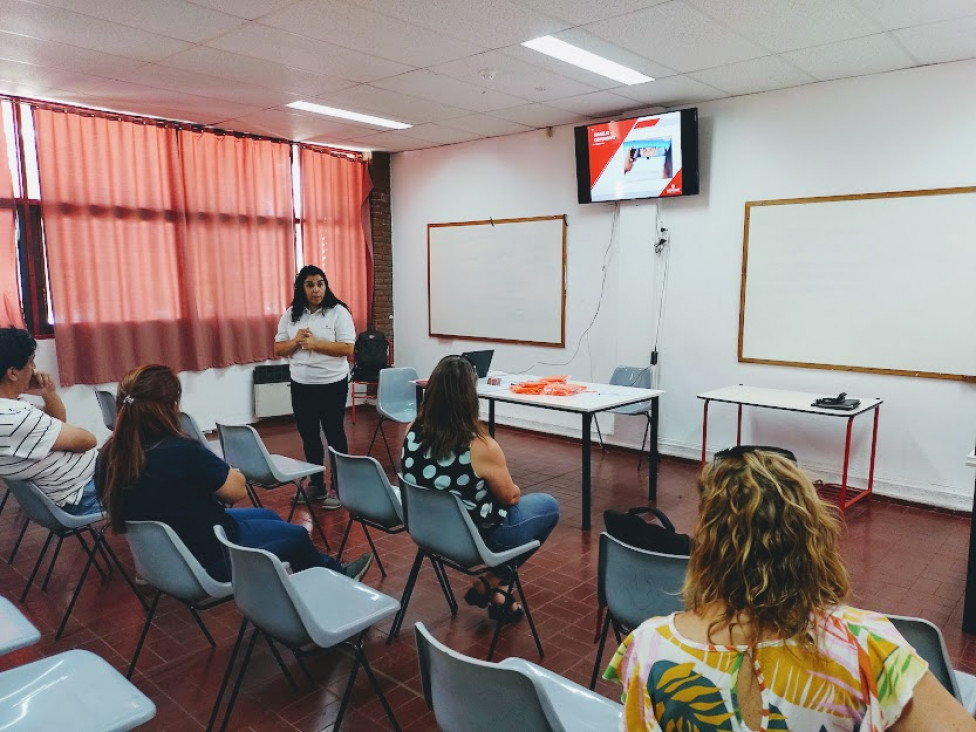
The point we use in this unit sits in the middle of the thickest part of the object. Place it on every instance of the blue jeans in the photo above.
(88, 504)
(533, 517)
(262, 528)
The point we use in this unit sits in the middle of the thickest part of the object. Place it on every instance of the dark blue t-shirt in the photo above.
(177, 488)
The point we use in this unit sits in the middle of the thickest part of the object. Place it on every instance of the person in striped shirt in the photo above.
(36, 443)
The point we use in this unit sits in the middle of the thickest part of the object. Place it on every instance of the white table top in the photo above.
(596, 398)
(794, 401)
(971, 459)
(16, 631)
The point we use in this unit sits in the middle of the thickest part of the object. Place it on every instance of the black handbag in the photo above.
(632, 528)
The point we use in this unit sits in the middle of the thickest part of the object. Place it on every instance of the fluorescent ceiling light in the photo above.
(586, 60)
(346, 114)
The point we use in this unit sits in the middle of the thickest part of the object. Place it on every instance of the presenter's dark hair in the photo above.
(16, 348)
(298, 300)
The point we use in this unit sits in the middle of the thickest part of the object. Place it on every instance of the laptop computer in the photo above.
(481, 360)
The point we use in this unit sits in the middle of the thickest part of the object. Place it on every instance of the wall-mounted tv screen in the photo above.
(643, 157)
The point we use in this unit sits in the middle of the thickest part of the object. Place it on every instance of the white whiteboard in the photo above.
(879, 282)
(501, 280)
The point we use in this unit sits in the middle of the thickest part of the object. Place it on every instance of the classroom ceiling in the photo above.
(454, 69)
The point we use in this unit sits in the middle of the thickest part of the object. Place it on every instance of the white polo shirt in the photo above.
(309, 367)
(26, 437)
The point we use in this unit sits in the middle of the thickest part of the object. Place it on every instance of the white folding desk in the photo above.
(969, 606)
(796, 401)
(596, 398)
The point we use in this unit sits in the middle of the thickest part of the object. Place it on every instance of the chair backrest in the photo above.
(41, 510)
(244, 450)
(638, 377)
(191, 429)
(439, 523)
(636, 584)
(396, 391)
(365, 490)
(468, 695)
(106, 403)
(262, 593)
(926, 638)
(162, 559)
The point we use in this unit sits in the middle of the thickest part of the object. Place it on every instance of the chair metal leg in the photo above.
(240, 679)
(599, 651)
(102, 543)
(202, 626)
(376, 686)
(445, 586)
(647, 430)
(599, 434)
(142, 636)
(74, 596)
(345, 537)
(23, 530)
(50, 567)
(405, 599)
(389, 454)
(253, 495)
(300, 491)
(227, 675)
(93, 551)
(37, 565)
(344, 704)
(3, 503)
(379, 426)
(372, 547)
(308, 674)
(528, 612)
(281, 662)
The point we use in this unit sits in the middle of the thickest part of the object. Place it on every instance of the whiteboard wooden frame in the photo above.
(923, 233)
(506, 298)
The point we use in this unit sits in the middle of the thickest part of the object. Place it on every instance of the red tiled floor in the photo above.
(903, 560)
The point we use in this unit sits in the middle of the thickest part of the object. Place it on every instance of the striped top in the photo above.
(26, 437)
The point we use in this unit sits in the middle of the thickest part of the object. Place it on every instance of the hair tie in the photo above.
(128, 400)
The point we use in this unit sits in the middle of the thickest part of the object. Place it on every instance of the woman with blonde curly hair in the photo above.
(766, 641)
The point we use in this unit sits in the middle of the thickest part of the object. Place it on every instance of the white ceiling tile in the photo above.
(893, 14)
(385, 103)
(785, 26)
(488, 23)
(674, 91)
(444, 89)
(609, 49)
(278, 46)
(951, 40)
(30, 79)
(190, 82)
(62, 56)
(486, 125)
(538, 115)
(393, 142)
(595, 104)
(354, 27)
(299, 127)
(64, 26)
(173, 18)
(441, 134)
(580, 12)
(856, 57)
(754, 75)
(499, 72)
(249, 9)
(677, 36)
(250, 70)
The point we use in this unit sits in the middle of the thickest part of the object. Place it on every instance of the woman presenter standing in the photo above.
(316, 335)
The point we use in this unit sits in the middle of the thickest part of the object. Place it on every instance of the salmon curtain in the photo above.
(10, 310)
(335, 192)
(159, 246)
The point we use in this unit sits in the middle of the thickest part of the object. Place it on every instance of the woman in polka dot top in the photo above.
(448, 448)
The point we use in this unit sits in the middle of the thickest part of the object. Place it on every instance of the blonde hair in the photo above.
(766, 548)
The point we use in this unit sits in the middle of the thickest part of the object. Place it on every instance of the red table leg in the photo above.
(738, 428)
(847, 460)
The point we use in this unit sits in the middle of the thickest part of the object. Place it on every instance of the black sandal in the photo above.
(505, 612)
(479, 599)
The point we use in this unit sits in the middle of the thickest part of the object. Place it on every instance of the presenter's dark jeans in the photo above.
(324, 405)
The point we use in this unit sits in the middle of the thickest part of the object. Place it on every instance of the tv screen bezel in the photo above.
(690, 178)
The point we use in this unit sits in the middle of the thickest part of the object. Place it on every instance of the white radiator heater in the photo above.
(272, 391)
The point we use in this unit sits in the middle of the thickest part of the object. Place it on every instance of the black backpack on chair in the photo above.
(631, 528)
(372, 354)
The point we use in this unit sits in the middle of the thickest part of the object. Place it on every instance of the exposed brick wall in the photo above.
(379, 214)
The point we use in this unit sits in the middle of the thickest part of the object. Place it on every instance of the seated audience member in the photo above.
(766, 641)
(448, 448)
(37, 444)
(150, 471)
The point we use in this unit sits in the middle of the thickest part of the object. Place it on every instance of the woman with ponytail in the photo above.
(150, 471)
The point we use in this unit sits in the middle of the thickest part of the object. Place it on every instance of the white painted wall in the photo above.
(848, 136)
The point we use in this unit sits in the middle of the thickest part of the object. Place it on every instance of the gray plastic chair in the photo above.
(368, 497)
(396, 400)
(469, 695)
(926, 638)
(16, 631)
(41, 510)
(305, 612)
(244, 449)
(639, 378)
(633, 585)
(192, 430)
(106, 404)
(163, 560)
(75, 690)
(440, 526)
